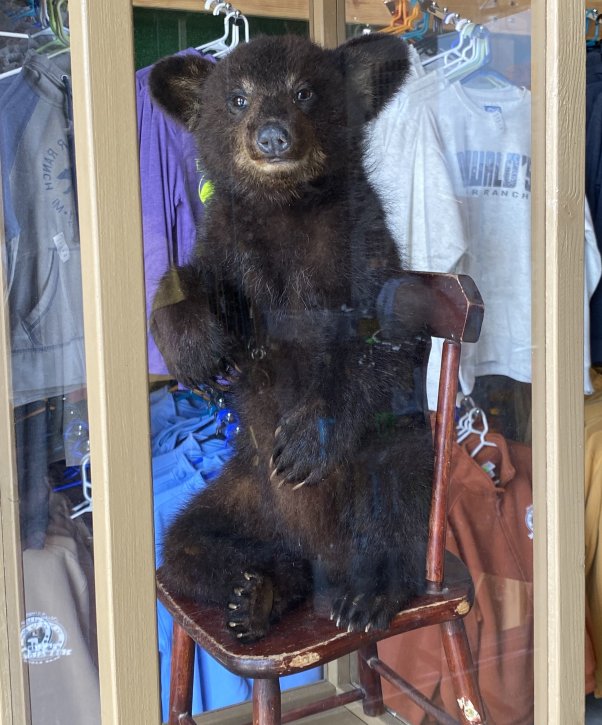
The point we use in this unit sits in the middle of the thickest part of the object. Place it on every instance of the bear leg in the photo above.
(216, 551)
(371, 599)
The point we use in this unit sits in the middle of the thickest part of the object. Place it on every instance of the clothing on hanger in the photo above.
(42, 236)
(173, 186)
(464, 155)
(490, 527)
(58, 636)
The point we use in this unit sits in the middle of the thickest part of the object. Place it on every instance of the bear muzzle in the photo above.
(273, 141)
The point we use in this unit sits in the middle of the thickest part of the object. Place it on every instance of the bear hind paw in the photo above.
(249, 609)
(357, 612)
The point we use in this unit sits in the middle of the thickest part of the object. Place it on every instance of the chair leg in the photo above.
(182, 669)
(266, 702)
(463, 673)
(370, 681)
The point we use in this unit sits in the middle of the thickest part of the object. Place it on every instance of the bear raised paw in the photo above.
(328, 489)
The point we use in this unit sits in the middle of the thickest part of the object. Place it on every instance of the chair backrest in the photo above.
(448, 306)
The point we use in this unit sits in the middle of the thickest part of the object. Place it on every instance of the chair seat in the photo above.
(303, 637)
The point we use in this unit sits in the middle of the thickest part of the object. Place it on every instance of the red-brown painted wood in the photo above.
(449, 305)
(182, 667)
(415, 695)
(370, 681)
(444, 437)
(306, 637)
(463, 673)
(266, 702)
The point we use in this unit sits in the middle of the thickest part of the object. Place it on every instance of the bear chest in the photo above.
(288, 267)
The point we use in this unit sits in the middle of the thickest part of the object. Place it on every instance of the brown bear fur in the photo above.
(328, 489)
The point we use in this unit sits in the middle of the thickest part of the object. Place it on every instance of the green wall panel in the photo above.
(161, 32)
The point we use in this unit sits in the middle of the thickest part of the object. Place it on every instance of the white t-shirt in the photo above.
(452, 166)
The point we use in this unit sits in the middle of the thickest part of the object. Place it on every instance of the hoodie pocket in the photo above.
(56, 318)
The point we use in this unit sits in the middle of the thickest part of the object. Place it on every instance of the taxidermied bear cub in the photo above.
(328, 489)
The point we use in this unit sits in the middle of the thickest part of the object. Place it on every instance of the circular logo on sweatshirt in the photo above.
(42, 639)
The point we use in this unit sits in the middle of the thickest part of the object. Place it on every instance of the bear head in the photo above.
(279, 113)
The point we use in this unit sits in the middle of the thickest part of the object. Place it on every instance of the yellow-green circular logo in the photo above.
(205, 191)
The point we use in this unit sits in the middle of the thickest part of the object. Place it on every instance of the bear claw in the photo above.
(363, 612)
(250, 607)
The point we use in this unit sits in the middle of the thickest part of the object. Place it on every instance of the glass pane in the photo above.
(450, 158)
(593, 326)
(41, 277)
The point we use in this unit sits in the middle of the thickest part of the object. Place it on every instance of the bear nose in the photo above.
(273, 139)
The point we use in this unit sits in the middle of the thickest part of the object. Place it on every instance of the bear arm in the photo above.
(185, 327)
(341, 406)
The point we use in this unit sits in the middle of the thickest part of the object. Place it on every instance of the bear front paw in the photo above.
(249, 609)
(193, 345)
(357, 612)
(304, 447)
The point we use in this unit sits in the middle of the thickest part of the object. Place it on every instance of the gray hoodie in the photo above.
(42, 252)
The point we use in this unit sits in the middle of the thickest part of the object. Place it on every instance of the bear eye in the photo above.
(303, 94)
(237, 101)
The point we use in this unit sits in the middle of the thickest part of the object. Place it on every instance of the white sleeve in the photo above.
(408, 168)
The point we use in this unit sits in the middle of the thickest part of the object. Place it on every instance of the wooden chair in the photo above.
(452, 309)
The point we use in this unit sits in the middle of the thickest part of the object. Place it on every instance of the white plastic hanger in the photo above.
(470, 52)
(86, 505)
(219, 44)
(467, 426)
(236, 33)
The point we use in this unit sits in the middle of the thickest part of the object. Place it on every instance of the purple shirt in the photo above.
(171, 176)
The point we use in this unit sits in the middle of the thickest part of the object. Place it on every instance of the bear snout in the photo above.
(273, 140)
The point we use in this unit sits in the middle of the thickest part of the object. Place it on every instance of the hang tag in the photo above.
(61, 246)
(489, 468)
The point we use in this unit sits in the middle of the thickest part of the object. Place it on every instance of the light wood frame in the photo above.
(558, 133)
(115, 339)
(115, 335)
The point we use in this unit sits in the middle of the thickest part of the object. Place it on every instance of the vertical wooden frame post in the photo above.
(558, 133)
(327, 22)
(114, 319)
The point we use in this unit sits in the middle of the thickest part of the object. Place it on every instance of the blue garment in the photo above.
(187, 454)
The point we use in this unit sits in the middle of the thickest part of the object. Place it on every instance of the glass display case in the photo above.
(475, 166)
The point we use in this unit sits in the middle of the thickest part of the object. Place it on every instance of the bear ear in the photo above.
(175, 84)
(375, 66)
